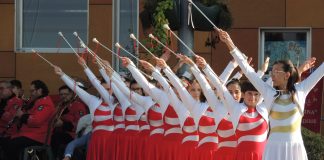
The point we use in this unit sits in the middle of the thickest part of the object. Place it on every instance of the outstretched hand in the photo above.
(147, 66)
(161, 63)
(308, 64)
(224, 37)
(265, 65)
(201, 62)
(58, 70)
(82, 62)
(126, 61)
(186, 59)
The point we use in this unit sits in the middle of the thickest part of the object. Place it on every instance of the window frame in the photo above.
(18, 34)
(263, 30)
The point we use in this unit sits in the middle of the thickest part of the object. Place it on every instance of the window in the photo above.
(285, 43)
(39, 21)
(125, 22)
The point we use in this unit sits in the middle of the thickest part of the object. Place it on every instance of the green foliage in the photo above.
(158, 10)
(314, 144)
(159, 20)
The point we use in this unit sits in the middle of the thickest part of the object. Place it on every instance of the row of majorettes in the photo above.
(172, 122)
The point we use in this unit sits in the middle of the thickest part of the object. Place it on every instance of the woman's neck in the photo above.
(282, 87)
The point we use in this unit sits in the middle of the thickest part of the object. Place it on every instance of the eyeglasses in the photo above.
(275, 72)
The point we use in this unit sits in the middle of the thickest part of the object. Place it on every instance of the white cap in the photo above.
(187, 75)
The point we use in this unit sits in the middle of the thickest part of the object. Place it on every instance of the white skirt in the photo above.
(284, 151)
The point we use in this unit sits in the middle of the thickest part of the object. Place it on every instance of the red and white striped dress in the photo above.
(190, 140)
(143, 137)
(251, 135)
(100, 143)
(131, 133)
(118, 133)
(172, 135)
(227, 140)
(155, 149)
(208, 138)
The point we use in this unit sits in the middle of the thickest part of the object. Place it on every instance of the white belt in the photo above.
(130, 117)
(143, 118)
(209, 114)
(132, 127)
(119, 118)
(156, 123)
(119, 126)
(253, 138)
(103, 108)
(102, 118)
(207, 129)
(157, 131)
(156, 109)
(173, 130)
(190, 138)
(189, 129)
(211, 139)
(249, 126)
(172, 121)
(225, 133)
(144, 127)
(102, 127)
(231, 144)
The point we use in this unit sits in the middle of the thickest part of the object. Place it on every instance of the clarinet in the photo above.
(14, 120)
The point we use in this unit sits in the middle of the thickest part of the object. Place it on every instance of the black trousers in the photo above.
(17, 145)
(58, 143)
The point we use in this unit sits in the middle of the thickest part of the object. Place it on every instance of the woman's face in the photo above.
(279, 76)
(235, 91)
(136, 88)
(195, 90)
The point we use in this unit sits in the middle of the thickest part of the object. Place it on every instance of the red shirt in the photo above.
(13, 104)
(40, 116)
(75, 111)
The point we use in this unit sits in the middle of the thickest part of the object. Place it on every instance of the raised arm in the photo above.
(225, 96)
(227, 71)
(96, 83)
(122, 99)
(206, 88)
(307, 84)
(267, 91)
(149, 88)
(91, 101)
(178, 106)
(185, 96)
(144, 102)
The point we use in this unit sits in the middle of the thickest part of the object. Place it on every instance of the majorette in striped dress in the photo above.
(141, 104)
(117, 136)
(285, 140)
(251, 132)
(154, 113)
(208, 138)
(101, 116)
(227, 141)
(101, 141)
(155, 149)
(131, 133)
(182, 145)
(172, 135)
